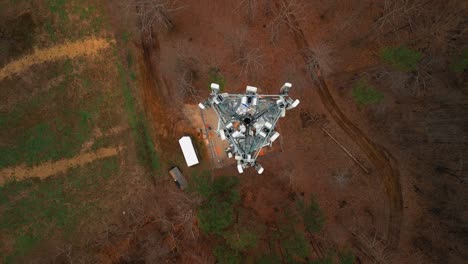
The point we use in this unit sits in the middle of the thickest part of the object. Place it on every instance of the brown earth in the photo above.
(367, 206)
(408, 209)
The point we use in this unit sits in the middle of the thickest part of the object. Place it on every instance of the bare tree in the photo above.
(375, 248)
(288, 15)
(249, 6)
(248, 57)
(320, 54)
(153, 13)
(399, 13)
(65, 252)
(341, 177)
(433, 25)
(186, 69)
(238, 42)
(251, 62)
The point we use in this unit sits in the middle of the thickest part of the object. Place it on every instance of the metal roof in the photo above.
(189, 152)
(178, 177)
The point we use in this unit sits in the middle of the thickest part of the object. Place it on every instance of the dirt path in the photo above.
(383, 162)
(85, 47)
(48, 169)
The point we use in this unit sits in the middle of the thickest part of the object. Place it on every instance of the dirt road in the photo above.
(84, 47)
(50, 168)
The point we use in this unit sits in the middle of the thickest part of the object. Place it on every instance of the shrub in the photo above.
(296, 246)
(215, 216)
(241, 241)
(215, 76)
(313, 217)
(223, 188)
(218, 211)
(402, 58)
(364, 94)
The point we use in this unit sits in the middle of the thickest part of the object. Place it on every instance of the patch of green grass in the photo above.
(85, 12)
(102, 142)
(364, 94)
(129, 60)
(460, 64)
(70, 122)
(73, 19)
(58, 7)
(146, 150)
(97, 24)
(133, 76)
(49, 28)
(33, 210)
(215, 76)
(49, 140)
(402, 58)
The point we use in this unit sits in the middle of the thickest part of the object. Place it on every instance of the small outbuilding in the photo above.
(189, 151)
(179, 178)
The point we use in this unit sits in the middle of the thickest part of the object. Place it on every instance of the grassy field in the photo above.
(35, 210)
(72, 107)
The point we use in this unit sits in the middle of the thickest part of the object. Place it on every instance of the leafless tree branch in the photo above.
(288, 15)
(153, 12)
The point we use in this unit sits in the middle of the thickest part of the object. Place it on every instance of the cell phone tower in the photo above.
(247, 121)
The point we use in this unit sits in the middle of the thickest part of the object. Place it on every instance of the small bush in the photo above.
(364, 94)
(241, 241)
(215, 76)
(313, 217)
(225, 255)
(296, 246)
(402, 58)
(215, 216)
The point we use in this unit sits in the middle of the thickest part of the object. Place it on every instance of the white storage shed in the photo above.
(189, 151)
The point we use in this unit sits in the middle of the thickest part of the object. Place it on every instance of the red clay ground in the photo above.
(376, 213)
